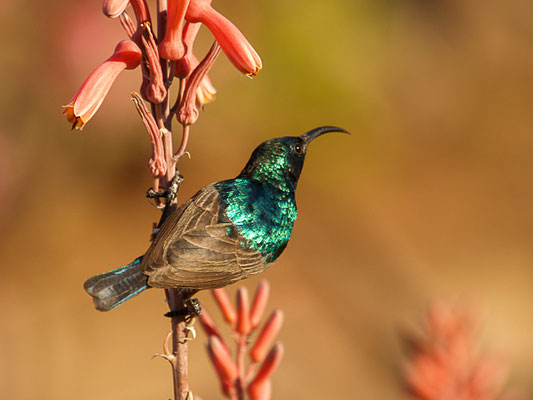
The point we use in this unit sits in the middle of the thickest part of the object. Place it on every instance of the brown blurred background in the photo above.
(430, 198)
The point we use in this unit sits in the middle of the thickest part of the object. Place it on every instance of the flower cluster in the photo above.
(164, 55)
(237, 379)
(446, 364)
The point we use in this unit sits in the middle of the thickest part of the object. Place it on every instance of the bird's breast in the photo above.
(263, 217)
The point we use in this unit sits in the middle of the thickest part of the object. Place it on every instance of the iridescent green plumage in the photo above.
(229, 230)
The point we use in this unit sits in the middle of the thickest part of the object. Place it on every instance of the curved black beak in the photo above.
(314, 133)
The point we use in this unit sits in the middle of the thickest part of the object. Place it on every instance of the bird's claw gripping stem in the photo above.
(169, 194)
(172, 191)
(190, 310)
(152, 194)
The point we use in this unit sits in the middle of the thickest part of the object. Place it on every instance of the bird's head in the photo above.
(280, 160)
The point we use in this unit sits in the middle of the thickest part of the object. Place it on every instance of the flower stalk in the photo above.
(236, 377)
(163, 56)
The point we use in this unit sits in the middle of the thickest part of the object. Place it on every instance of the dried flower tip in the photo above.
(157, 164)
(243, 312)
(187, 113)
(267, 336)
(225, 306)
(91, 94)
(152, 89)
(113, 8)
(205, 93)
(238, 50)
(221, 359)
(267, 368)
(172, 47)
(260, 302)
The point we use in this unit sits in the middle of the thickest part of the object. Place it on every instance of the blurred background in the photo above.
(429, 199)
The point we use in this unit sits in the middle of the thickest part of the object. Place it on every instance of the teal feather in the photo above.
(261, 213)
(112, 288)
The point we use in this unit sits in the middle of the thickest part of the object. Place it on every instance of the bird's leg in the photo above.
(194, 309)
(172, 191)
(191, 309)
(152, 194)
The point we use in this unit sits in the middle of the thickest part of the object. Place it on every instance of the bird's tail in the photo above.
(112, 288)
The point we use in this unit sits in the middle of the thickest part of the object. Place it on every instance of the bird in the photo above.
(227, 231)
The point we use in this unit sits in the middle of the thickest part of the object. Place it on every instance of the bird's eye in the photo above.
(298, 148)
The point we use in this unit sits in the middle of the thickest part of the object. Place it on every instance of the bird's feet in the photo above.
(190, 310)
(152, 194)
(169, 194)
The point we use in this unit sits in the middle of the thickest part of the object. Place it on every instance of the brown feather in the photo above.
(198, 248)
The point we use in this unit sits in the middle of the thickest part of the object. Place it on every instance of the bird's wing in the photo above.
(199, 248)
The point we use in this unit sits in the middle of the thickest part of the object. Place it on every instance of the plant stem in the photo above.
(180, 350)
(241, 353)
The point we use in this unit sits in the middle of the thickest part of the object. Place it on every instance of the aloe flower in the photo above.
(172, 47)
(446, 362)
(186, 64)
(238, 50)
(237, 378)
(92, 92)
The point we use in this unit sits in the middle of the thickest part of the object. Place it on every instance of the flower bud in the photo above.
(267, 336)
(243, 312)
(225, 306)
(266, 370)
(260, 302)
(224, 365)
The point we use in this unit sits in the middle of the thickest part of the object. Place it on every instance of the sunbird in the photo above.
(228, 231)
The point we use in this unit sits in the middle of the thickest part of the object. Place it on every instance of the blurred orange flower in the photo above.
(446, 363)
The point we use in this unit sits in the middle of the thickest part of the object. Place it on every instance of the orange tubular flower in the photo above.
(259, 388)
(91, 94)
(267, 336)
(186, 64)
(238, 50)
(172, 47)
(260, 303)
(223, 301)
